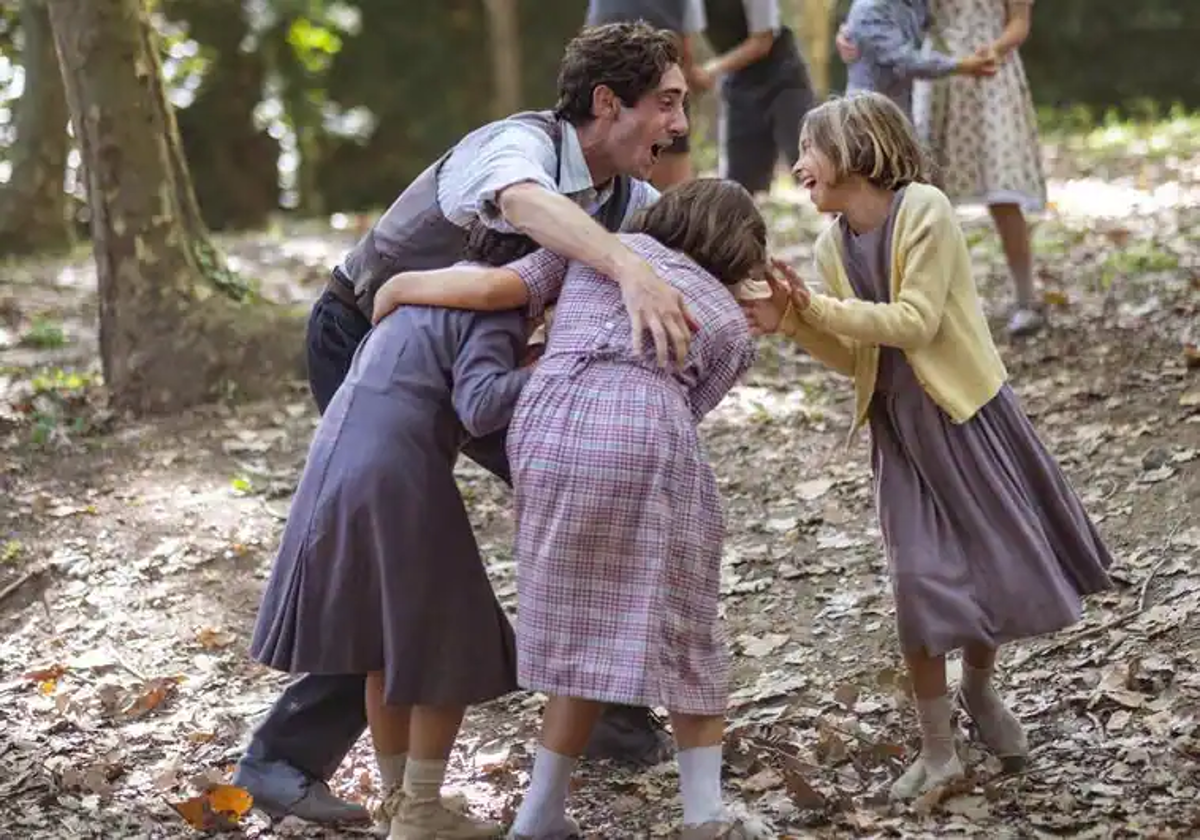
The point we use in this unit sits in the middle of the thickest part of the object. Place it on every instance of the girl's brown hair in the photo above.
(867, 134)
(713, 221)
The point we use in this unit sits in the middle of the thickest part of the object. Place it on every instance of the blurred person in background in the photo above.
(764, 86)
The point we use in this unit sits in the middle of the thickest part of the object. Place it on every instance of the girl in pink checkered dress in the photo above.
(619, 522)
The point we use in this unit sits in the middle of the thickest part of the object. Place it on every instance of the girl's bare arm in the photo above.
(1016, 28)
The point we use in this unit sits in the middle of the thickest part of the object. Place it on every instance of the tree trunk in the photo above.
(33, 206)
(232, 161)
(168, 338)
(504, 37)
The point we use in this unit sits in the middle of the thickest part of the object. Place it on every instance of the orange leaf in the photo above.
(217, 809)
(227, 799)
(47, 673)
(194, 810)
(154, 693)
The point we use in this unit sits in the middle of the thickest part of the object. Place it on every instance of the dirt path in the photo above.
(138, 554)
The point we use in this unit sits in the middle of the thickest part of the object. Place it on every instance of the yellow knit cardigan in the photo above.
(934, 317)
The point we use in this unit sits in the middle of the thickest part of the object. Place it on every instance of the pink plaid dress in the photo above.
(619, 523)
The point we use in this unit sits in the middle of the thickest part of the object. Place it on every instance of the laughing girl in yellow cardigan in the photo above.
(986, 540)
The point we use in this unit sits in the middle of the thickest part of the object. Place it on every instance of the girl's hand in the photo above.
(385, 301)
(765, 314)
(785, 277)
(983, 62)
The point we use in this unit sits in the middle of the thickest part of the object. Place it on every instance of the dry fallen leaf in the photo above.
(831, 749)
(974, 808)
(804, 795)
(757, 648)
(152, 695)
(926, 802)
(211, 639)
(46, 673)
(812, 490)
(763, 780)
(846, 694)
(220, 808)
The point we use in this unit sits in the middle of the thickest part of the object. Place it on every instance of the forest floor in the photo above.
(132, 557)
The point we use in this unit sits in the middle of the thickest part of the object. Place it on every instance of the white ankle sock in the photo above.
(544, 808)
(700, 784)
(937, 733)
(938, 761)
(423, 778)
(391, 769)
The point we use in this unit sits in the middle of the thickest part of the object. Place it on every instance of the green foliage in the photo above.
(217, 271)
(314, 45)
(11, 551)
(328, 105)
(1139, 257)
(59, 404)
(1111, 54)
(45, 334)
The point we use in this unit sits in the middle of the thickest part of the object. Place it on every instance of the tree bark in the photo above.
(168, 337)
(33, 206)
(504, 37)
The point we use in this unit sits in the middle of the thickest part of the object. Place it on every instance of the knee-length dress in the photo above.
(982, 133)
(619, 522)
(985, 538)
(378, 568)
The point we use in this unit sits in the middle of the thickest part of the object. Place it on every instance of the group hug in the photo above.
(427, 342)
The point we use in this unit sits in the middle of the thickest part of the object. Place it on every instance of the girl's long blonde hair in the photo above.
(867, 134)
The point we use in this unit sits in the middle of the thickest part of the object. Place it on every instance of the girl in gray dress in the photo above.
(378, 572)
(986, 541)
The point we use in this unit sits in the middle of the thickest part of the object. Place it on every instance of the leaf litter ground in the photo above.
(132, 556)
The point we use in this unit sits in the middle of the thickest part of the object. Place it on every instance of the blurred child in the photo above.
(887, 35)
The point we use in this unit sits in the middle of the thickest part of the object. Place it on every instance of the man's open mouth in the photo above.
(657, 149)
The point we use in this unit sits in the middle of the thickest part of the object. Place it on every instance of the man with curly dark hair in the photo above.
(685, 18)
(568, 179)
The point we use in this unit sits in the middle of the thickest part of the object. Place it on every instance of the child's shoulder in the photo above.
(927, 200)
(641, 242)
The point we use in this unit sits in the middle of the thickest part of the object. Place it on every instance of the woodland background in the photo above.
(324, 106)
(156, 268)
